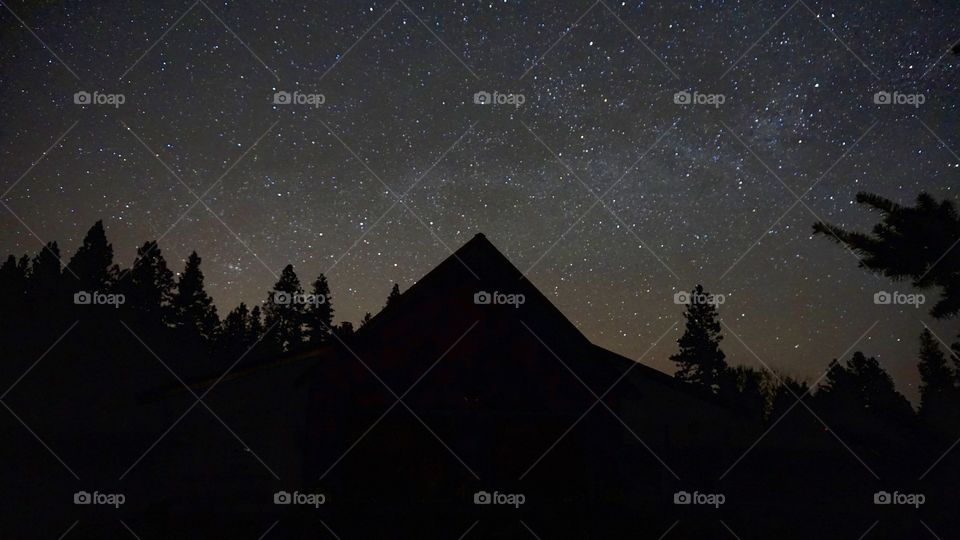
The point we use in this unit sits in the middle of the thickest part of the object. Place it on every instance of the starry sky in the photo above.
(610, 196)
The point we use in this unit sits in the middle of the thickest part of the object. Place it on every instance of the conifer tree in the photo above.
(700, 360)
(234, 337)
(284, 311)
(914, 242)
(91, 267)
(45, 280)
(255, 325)
(193, 309)
(938, 395)
(394, 294)
(864, 386)
(148, 286)
(13, 285)
(319, 314)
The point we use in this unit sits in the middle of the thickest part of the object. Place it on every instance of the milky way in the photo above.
(608, 193)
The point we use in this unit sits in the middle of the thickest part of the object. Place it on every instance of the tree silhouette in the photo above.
(915, 242)
(785, 395)
(148, 286)
(255, 324)
(700, 360)
(45, 282)
(91, 267)
(13, 284)
(284, 311)
(938, 395)
(366, 318)
(319, 315)
(749, 389)
(344, 330)
(863, 386)
(13, 300)
(394, 294)
(235, 324)
(239, 331)
(193, 309)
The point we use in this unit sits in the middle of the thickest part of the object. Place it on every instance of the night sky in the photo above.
(690, 193)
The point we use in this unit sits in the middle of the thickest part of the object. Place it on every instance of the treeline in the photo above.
(41, 296)
(856, 388)
(911, 242)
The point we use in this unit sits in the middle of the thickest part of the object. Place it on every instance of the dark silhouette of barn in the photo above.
(496, 397)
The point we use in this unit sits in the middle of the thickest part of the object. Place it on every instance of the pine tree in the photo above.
(785, 394)
(255, 325)
(45, 281)
(148, 285)
(938, 395)
(394, 294)
(319, 315)
(91, 267)
(864, 386)
(700, 360)
(749, 389)
(284, 312)
(234, 335)
(366, 318)
(48, 299)
(193, 309)
(8, 271)
(13, 297)
(13, 284)
(23, 265)
(913, 242)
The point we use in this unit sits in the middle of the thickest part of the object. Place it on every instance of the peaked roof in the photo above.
(479, 266)
(434, 313)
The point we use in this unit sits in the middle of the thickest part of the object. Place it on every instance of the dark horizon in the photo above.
(905, 374)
